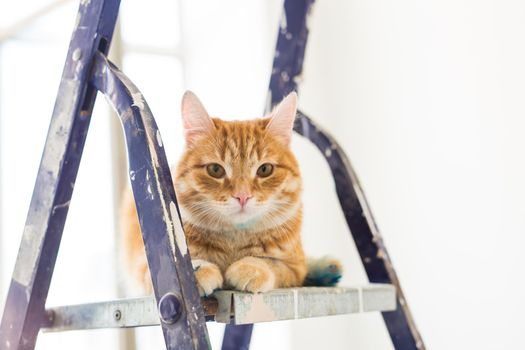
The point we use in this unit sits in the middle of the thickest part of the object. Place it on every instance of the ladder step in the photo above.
(228, 306)
(305, 302)
(122, 313)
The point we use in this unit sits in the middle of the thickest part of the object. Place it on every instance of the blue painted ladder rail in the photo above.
(178, 305)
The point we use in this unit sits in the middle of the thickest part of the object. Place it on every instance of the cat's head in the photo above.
(238, 175)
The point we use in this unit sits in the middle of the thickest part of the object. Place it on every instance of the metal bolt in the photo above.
(170, 308)
(50, 316)
(77, 54)
(117, 315)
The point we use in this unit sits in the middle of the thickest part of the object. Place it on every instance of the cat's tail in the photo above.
(323, 272)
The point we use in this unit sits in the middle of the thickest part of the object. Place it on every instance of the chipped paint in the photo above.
(138, 100)
(149, 187)
(255, 307)
(27, 257)
(61, 206)
(298, 303)
(160, 190)
(159, 139)
(77, 21)
(78, 71)
(50, 166)
(284, 76)
(308, 22)
(283, 23)
(77, 54)
(179, 232)
(150, 191)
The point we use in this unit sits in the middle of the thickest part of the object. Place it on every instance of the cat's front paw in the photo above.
(208, 275)
(251, 275)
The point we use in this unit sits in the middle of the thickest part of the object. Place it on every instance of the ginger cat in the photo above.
(239, 191)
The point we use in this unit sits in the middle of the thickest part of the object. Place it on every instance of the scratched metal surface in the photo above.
(168, 258)
(241, 308)
(286, 75)
(113, 314)
(24, 309)
(120, 313)
(305, 302)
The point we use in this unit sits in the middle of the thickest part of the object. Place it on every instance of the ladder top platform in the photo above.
(230, 307)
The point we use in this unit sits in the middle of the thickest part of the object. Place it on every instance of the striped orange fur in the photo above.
(239, 191)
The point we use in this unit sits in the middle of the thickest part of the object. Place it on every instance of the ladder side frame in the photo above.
(24, 310)
(86, 70)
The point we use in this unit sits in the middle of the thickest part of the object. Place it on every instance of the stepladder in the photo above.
(176, 305)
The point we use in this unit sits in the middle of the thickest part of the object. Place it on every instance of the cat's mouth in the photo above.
(243, 220)
(242, 210)
(244, 215)
(235, 209)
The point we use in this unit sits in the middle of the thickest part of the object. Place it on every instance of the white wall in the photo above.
(427, 99)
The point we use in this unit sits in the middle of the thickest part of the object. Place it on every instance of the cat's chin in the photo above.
(246, 225)
(224, 222)
(262, 220)
(247, 220)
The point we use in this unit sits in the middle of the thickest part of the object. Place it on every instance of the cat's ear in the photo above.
(282, 118)
(195, 119)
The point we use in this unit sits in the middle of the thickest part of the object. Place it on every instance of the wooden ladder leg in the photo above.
(24, 310)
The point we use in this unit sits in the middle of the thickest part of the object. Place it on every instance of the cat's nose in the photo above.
(242, 198)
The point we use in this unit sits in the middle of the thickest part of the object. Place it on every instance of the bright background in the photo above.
(425, 96)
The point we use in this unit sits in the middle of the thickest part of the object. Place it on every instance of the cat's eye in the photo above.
(215, 170)
(265, 170)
